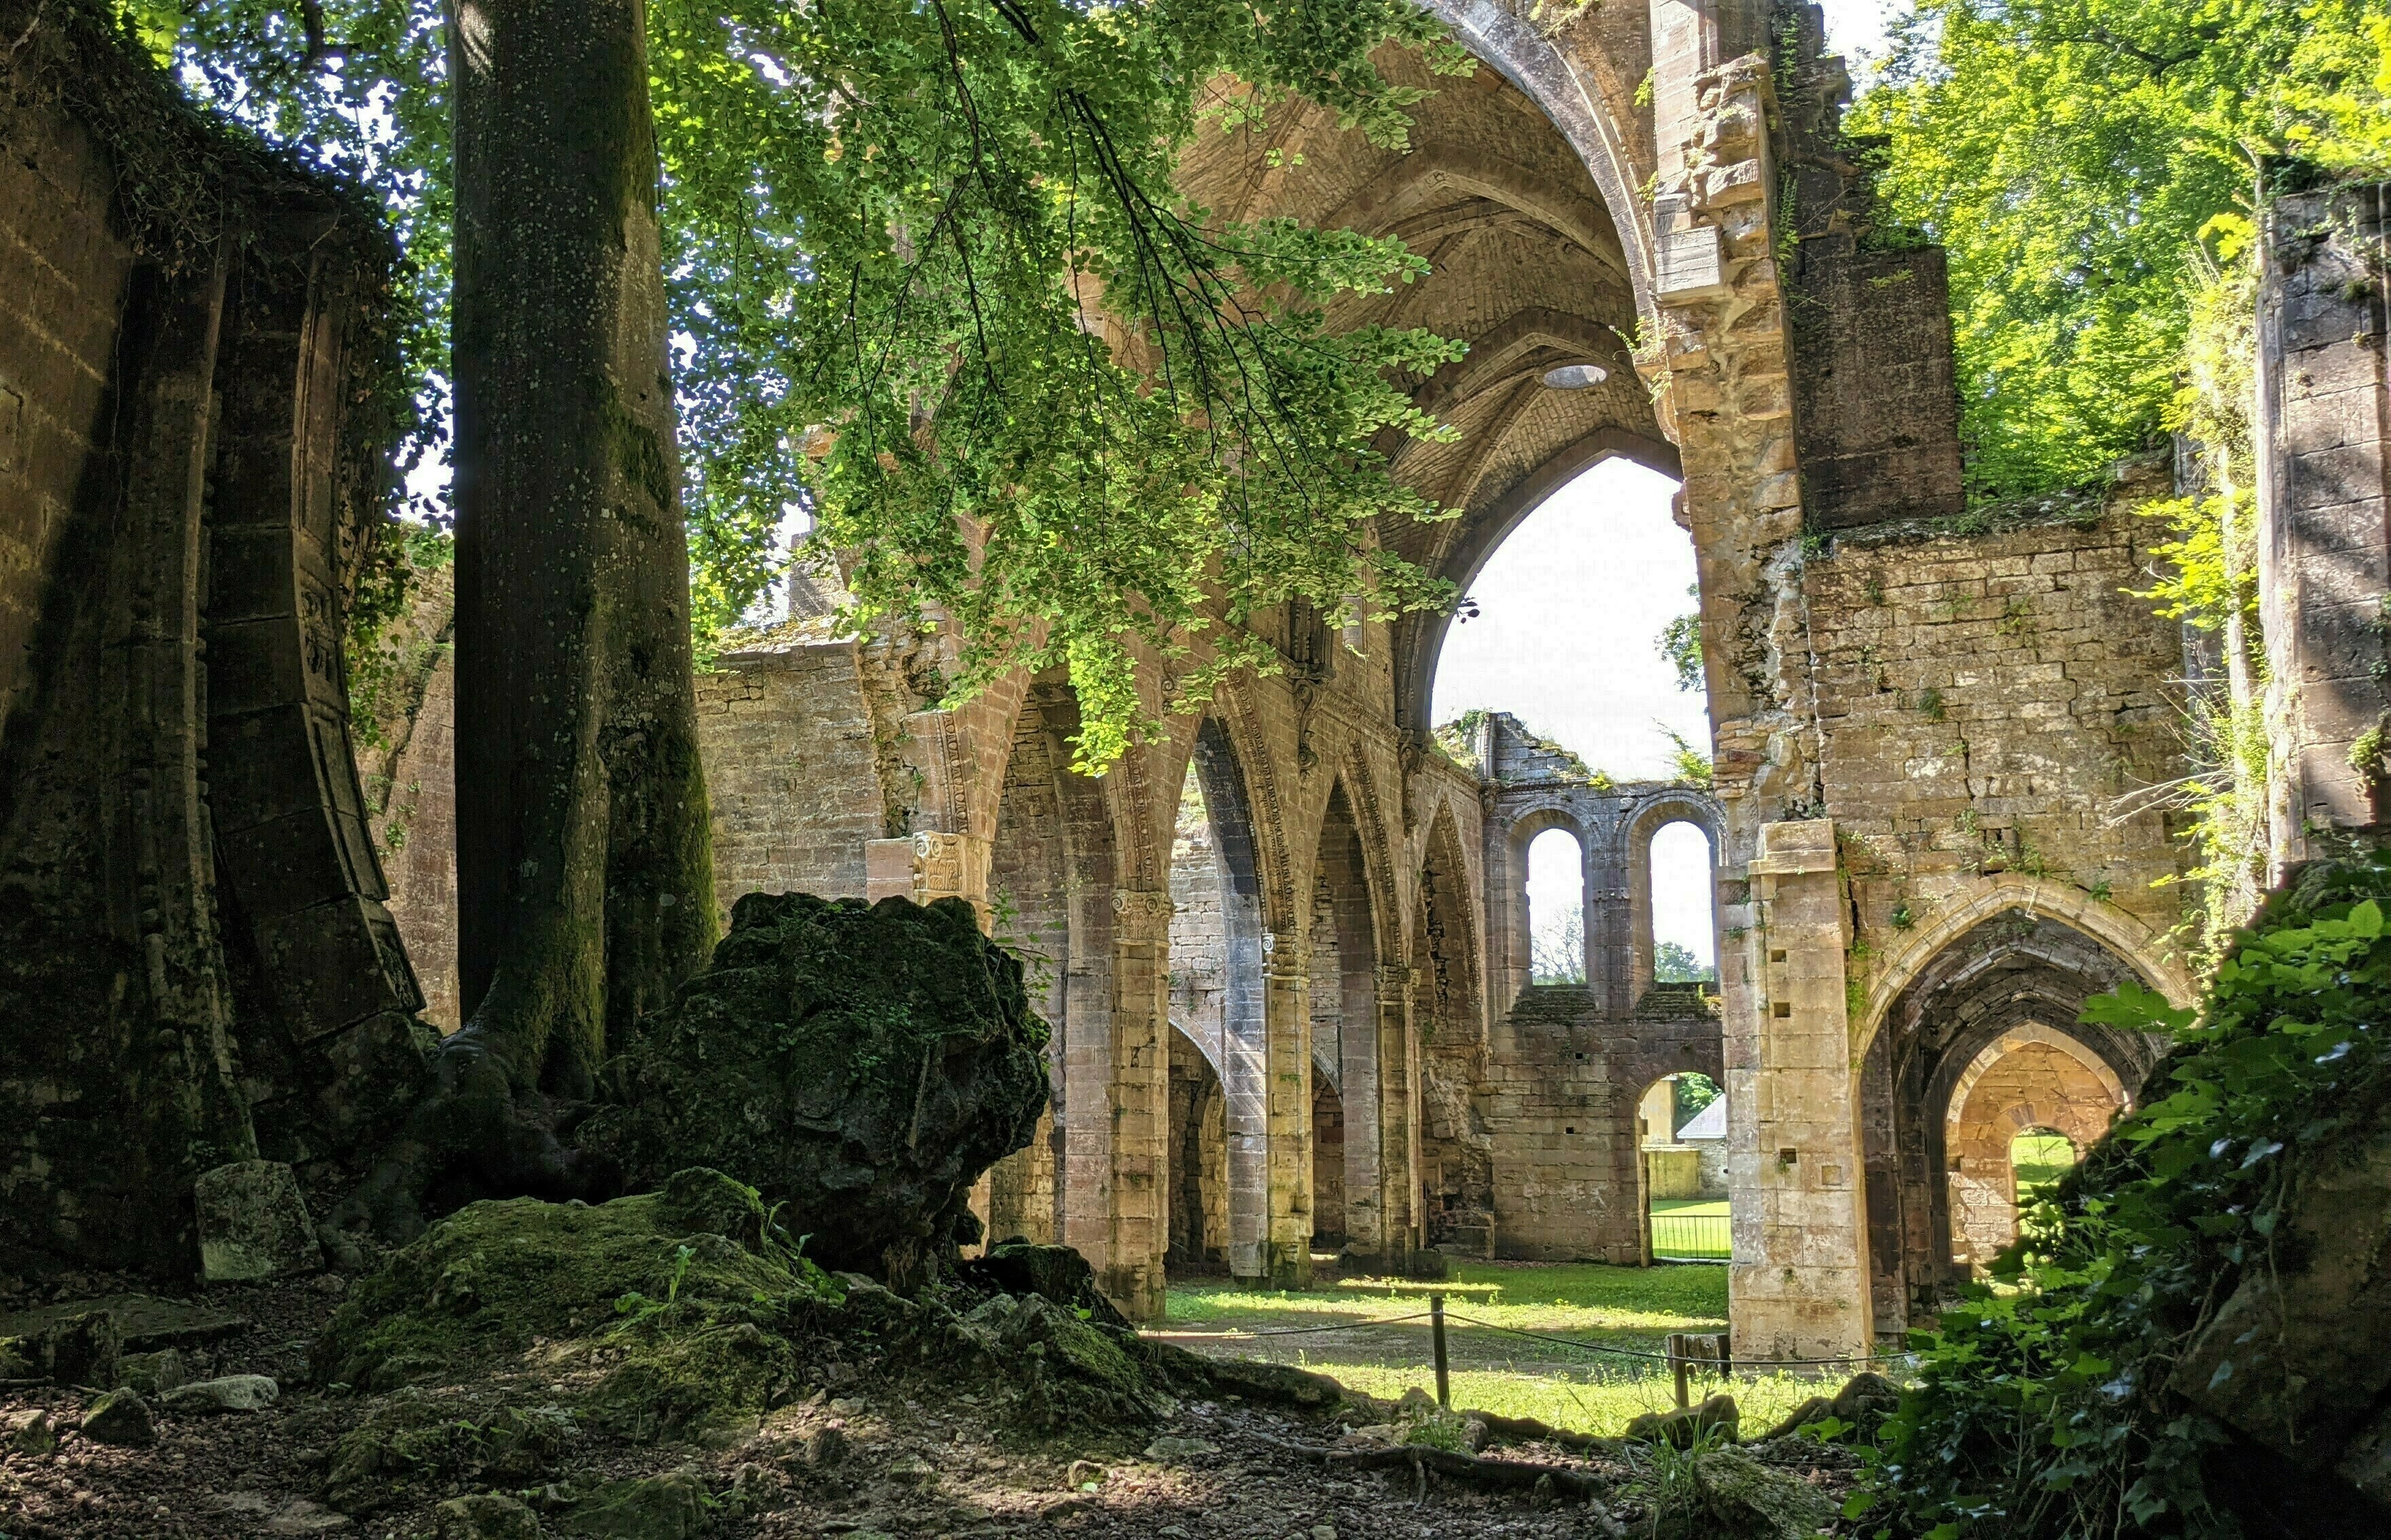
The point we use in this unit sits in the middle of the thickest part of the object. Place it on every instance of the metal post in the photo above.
(1436, 1330)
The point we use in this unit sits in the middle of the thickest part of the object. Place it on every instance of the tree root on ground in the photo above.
(1470, 1471)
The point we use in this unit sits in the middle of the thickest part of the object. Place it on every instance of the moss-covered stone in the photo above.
(648, 1508)
(1743, 1499)
(659, 1327)
(422, 1442)
(861, 1064)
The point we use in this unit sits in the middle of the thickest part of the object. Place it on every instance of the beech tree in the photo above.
(888, 219)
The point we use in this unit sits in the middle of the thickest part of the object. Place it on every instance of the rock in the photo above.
(1085, 1473)
(1682, 1426)
(1056, 1273)
(120, 1418)
(1324, 1531)
(647, 1508)
(328, 1283)
(1746, 1500)
(1861, 1406)
(487, 1516)
(912, 1469)
(2297, 1357)
(144, 1322)
(301, 1516)
(863, 1063)
(152, 1374)
(1172, 1449)
(254, 1224)
(36, 1438)
(77, 1349)
(233, 1392)
(825, 1447)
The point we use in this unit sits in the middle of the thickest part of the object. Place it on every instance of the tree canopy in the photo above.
(936, 298)
(2085, 162)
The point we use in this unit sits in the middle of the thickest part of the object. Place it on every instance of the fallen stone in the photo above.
(1085, 1473)
(254, 1225)
(120, 1418)
(1056, 1273)
(485, 1516)
(1685, 1426)
(912, 1469)
(301, 1516)
(37, 1437)
(233, 1392)
(1743, 1499)
(144, 1322)
(648, 1508)
(78, 1349)
(1170, 1448)
(152, 1374)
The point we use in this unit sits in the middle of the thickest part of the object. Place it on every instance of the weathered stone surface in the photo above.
(1738, 1498)
(485, 1516)
(865, 1064)
(2297, 1356)
(1056, 1273)
(80, 1348)
(144, 1322)
(231, 1393)
(120, 1418)
(1686, 1425)
(254, 1224)
(37, 1437)
(152, 1373)
(650, 1507)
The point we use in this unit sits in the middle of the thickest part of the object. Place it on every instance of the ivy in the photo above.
(2043, 1409)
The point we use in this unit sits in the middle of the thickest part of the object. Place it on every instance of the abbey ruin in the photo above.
(1283, 948)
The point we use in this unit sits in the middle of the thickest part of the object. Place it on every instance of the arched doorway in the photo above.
(2012, 981)
(1199, 1178)
(1681, 1136)
(1354, 1176)
(2032, 1092)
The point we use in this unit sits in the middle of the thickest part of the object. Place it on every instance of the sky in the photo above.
(1571, 608)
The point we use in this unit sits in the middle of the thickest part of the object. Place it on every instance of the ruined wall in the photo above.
(792, 773)
(2324, 561)
(64, 265)
(185, 871)
(1990, 703)
(2027, 1085)
(407, 766)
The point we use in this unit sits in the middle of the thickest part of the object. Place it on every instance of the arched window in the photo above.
(1556, 909)
(2039, 1158)
(1684, 949)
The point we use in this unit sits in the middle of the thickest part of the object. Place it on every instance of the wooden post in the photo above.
(1680, 1348)
(1436, 1330)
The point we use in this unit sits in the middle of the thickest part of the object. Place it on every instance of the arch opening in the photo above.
(1677, 925)
(1197, 1182)
(1983, 1042)
(1217, 978)
(1351, 1169)
(1681, 1138)
(1051, 878)
(1556, 904)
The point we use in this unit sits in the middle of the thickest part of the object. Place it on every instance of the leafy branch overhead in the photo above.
(1063, 407)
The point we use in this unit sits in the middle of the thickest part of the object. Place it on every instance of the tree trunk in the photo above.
(584, 880)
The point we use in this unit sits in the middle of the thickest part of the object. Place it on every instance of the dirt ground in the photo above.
(877, 1457)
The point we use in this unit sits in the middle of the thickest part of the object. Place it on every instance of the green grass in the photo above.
(1494, 1370)
(1690, 1227)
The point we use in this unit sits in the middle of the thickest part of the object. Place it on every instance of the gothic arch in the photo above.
(2132, 941)
(1646, 819)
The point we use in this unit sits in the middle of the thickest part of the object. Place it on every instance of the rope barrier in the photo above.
(1240, 1334)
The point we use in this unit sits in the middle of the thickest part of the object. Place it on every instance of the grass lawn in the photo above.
(2038, 1160)
(1690, 1227)
(1570, 1386)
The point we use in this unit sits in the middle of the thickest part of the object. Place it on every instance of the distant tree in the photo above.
(1694, 1092)
(1675, 963)
(1556, 951)
(1680, 645)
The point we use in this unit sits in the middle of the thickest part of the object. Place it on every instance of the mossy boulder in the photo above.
(861, 1064)
(664, 1324)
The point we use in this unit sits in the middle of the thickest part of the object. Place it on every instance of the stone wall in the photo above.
(2324, 561)
(2031, 1079)
(184, 869)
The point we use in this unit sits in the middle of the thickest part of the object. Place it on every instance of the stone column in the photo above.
(1611, 938)
(1286, 1015)
(1397, 1112)
(1800, 1277)
(1132, 1272)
